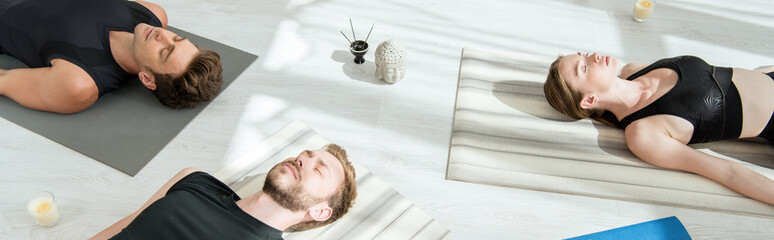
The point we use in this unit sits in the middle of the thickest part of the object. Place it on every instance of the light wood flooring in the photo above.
(400, 132)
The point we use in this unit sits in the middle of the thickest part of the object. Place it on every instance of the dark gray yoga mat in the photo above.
(126, 128)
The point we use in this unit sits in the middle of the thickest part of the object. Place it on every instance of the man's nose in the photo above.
(162, 36)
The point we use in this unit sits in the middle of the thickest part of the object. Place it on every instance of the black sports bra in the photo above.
(704, 95)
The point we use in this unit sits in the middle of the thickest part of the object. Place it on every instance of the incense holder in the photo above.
(359, 49)
(390, 58)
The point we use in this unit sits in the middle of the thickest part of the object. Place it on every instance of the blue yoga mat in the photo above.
(662, 229)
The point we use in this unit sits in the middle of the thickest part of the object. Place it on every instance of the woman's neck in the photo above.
(625, 97)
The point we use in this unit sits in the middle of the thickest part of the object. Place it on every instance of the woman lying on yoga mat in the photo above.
(668, 104)
(79, 50)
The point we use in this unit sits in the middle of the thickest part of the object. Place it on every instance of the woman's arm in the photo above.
(767, 69)
(121, 224)
(653, 144)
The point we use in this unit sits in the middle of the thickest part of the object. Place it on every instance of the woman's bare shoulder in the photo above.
(672, 126)
(631, 68)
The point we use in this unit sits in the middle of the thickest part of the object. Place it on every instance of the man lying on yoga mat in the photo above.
(78, 50)
(304, 192)
(666, 105)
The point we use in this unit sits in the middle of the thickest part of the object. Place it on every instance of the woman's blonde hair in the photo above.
(567, 100)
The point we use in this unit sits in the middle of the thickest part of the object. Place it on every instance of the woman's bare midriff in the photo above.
(756, 90)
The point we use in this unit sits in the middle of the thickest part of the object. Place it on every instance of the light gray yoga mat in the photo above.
(126, 128)
(505, 133)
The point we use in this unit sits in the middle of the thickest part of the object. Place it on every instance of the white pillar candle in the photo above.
(43, 209)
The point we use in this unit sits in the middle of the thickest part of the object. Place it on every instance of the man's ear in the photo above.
(320, 212)
(148, 79)
(589, 101)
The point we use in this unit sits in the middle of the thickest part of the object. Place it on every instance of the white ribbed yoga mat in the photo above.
(505, 133)
(379, 211)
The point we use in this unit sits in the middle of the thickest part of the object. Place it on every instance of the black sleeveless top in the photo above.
(38, 31)
(704, 95)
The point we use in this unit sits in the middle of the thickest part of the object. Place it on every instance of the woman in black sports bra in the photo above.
(666, 105)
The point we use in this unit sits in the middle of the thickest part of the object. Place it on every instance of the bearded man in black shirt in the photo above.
(311, 190)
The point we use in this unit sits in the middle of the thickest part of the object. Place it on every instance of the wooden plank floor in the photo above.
(400, 132)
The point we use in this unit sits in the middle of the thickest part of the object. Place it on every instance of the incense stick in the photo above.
(369, 32)
(345, 36)
(353, 29)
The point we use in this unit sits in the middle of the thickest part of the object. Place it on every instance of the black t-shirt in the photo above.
(198, 206)
(38, 31)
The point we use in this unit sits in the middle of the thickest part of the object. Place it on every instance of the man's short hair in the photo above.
(199, 83)
(340, 201)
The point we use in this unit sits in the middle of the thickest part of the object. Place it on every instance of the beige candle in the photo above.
(43, 209)
(642, 10)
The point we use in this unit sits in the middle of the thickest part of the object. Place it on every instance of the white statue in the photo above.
(390, 56)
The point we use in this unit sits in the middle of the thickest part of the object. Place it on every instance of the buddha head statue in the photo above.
(390, 57)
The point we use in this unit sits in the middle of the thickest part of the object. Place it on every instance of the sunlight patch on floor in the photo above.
(288, 47)
(676, 45)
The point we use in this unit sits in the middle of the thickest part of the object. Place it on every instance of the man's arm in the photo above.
(156, 10)
(63, 88)
(121, 224)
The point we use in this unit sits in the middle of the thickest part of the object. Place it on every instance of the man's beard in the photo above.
(294, 197)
